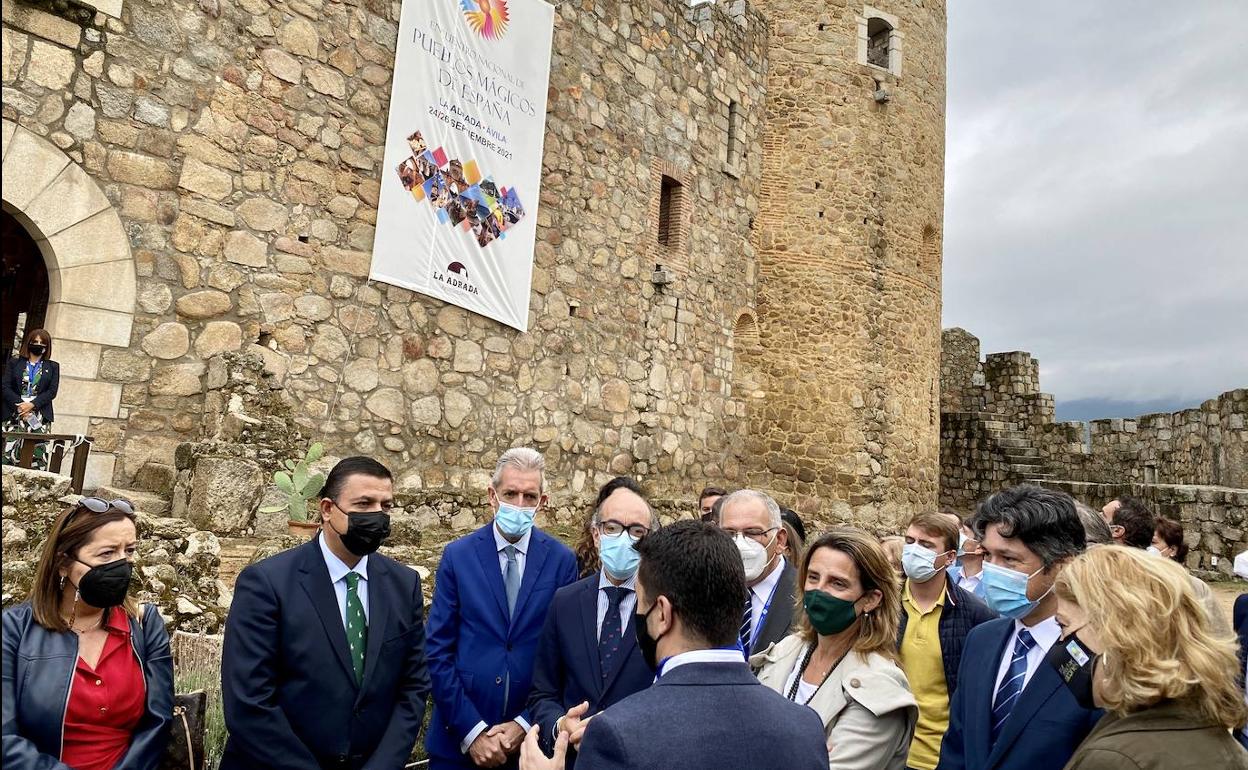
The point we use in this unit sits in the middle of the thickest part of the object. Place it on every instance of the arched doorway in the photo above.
(90, 277)
(23, 285)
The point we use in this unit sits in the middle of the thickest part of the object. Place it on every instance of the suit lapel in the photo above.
(378, 614)
(1043, 683)
(780, 612)
(979, 724)
(321, 593)
(533, 561)
(588, 602)
(487, 553)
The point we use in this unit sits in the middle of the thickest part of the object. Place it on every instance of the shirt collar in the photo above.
(337, 569)
(908, 597)
(605, 582)
(1046, 632)
(765, 586)
(500, 542)
(730, 655)
(118, 621)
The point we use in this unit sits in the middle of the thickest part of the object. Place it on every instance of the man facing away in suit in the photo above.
(588, 657)
(324, 657)
(490, 599)
(706, 710)
(752, 519)
(1011, 710)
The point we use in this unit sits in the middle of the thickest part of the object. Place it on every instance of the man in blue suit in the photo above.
(588, 657)
(706, 710)
(324, 662)
(491, 596)
(1240, 620)
(1011, 710)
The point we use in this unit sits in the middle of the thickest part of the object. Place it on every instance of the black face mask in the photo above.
(1076, 665)
(365, 531)
(37, 350)
(106, 585)
(648, 645)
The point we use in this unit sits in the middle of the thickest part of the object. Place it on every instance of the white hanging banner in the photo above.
(457, 217)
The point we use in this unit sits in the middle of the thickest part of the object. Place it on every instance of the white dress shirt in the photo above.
(760, 592)
(969, 583)
(522, 549)
(1046, 633)
(338, 576)
(627, 605)
(700, 656)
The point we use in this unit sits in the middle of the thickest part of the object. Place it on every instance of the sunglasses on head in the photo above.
(100, 505)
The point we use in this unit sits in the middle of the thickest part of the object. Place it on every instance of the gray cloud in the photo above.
(1096, 207)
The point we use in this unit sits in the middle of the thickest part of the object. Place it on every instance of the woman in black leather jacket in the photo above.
(88, 675)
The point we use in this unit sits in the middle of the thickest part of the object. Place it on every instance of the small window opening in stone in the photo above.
(818, 185)
(669, 202)
(821, 213)
(879, 34)
(572, 306)
(734, 134)
(822, 27)
(303, 239)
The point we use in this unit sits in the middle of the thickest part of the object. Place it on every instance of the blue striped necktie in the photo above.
(746, 622)
(1012, 684)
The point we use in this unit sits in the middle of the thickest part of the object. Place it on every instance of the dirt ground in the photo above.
(1226, 593)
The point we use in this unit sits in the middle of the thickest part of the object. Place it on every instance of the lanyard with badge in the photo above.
(762, 617)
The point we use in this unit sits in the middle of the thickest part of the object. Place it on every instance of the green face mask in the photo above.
(828, 614)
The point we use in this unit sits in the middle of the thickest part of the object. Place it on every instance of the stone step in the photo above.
(235, 555)
(1022, 456)
(1014, 443)
(145, 502)
(1027, 470)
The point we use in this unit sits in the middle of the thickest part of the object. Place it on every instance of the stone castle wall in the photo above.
(240, 144)
(998, 429)
(848, 238)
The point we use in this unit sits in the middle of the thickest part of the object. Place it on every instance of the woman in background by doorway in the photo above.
(30, 384)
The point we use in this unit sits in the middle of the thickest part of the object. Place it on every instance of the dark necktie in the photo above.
(611, 635)
(357, 626)
(1012, 683)
(747, 621)
(511, 578)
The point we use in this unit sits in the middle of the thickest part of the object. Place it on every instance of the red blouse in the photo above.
(105, 702)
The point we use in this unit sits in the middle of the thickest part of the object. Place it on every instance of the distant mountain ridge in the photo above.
(1104, 408)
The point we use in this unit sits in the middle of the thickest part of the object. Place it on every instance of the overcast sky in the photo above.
(1096, 209)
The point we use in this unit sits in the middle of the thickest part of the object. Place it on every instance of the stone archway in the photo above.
(91, 276)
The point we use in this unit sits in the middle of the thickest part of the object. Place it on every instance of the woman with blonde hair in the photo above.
(842, 660)
(1137, 642)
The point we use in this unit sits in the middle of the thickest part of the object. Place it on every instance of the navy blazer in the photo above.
(287, 684)
(568, 671)
(474, 647)
(962, 612)
(45, 389)
(1240, 621)
(38, 668)
(705, 716)
(1044, 729)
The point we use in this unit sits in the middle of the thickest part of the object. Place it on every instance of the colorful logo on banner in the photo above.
(457, 189)
(488, 18)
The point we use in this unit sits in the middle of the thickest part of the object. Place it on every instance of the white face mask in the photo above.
(1154, 550)
(753, 556)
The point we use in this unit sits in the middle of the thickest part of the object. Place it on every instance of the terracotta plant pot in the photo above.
(303, 529)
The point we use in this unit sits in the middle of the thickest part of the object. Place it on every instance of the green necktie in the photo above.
(357, 626)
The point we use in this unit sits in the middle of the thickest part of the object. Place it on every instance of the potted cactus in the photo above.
(301, 487)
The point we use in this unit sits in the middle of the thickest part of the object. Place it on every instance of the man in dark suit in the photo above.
(588, 656)
(706, 710)
(752, 519)
(324, 663)
(1011, 710)
(1240, 620)
(490, 600)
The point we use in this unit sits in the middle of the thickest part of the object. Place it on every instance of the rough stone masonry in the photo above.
(202, 178)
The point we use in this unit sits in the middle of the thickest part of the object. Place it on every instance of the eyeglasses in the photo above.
(753, 533)
(611, 528)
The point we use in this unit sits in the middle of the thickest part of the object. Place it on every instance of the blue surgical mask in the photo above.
(918, 562)
(514, 521)
(619, 557)
(1005, 591)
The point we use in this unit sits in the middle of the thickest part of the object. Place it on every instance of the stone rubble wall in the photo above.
(1214, 518)
(241, 145)
(177, 565)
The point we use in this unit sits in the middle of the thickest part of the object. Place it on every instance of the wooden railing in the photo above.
(61, 443)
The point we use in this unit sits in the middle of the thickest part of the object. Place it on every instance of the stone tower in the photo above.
(848, 244)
